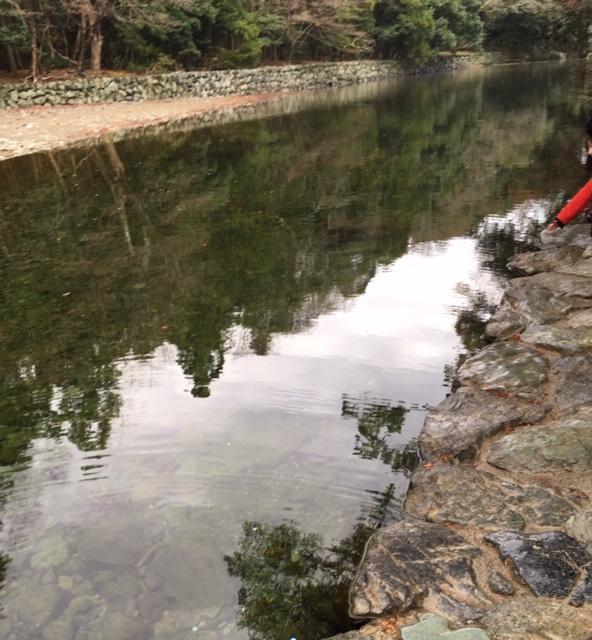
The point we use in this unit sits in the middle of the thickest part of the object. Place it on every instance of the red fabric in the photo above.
(577, 204)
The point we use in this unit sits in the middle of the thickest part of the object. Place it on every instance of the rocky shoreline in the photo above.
(495, 542)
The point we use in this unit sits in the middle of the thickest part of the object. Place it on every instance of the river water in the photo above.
(217, 347)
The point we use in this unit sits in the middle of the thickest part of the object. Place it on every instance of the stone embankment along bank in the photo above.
(206, 84)
(496, 538)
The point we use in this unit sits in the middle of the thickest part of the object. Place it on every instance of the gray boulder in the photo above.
(507, 367)
(458, 425)
(550, 259)
(559, 338)
(412, 561)
(467, 496)
(565, 444)
(574, 383)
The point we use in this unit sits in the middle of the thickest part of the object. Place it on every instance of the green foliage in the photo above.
(168, 34)
(419, 28)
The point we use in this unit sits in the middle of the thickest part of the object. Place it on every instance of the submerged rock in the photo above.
(509, 367)
(458, 426)
(549, 563)
(433, 627)
(566, 444)
(538, 619)
(467, 496)
(411, 561)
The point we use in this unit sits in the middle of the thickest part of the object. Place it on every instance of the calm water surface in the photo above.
(217, 347)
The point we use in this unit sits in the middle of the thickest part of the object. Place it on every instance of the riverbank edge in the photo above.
(25, 130)
(501, 464)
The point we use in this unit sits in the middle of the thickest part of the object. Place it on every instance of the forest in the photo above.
(86, 36)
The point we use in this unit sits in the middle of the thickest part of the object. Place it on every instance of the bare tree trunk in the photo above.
(96, 46)
(11, 59)
(81, 41)
(34, 49)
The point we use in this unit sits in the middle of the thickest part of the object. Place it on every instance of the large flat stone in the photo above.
(574, 384)
(509, 367)
(549, 563)
(412, 561)
(559, 338)
(565, 444)
(539, 619)
(551, 259)
(467, 496)
(458, 426)
(433, 627)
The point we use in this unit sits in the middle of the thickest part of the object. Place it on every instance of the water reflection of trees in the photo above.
(292, 585)
(377, 422)
(109, 252)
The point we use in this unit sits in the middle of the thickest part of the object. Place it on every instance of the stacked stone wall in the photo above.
(206, 84)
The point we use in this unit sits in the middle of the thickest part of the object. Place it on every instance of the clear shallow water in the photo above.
(217, 347)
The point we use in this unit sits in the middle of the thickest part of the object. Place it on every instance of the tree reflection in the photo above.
(377, 421)
(109, 252)
(292, 585)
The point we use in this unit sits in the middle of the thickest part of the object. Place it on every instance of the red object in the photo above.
(576, 205)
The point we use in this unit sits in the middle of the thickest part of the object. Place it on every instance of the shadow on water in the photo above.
(214, 243)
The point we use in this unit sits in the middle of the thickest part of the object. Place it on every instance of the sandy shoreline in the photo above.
(35, 129)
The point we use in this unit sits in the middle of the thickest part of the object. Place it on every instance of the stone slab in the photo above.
(549, 563)
(433, 627)
(468, 496)
(458, 425)
(564, 445)
(412, 561)
(508, 367)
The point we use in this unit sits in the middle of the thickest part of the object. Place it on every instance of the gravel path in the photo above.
(29, 130)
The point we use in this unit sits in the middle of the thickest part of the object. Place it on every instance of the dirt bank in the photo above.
(33, 129)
